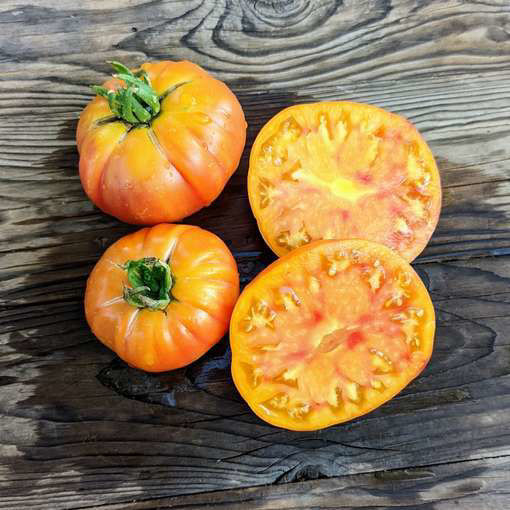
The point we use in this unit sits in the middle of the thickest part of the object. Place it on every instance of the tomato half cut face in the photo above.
(340, 170)
(330, 332)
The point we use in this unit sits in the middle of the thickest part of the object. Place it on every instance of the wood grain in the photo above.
(474, 485)
(79, 430)
(47, 219)
(188, 431)
(262, 44)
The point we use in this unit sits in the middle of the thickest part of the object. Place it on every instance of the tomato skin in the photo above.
(172, 168)
(288, 343)
(363, 173)
(205, 289)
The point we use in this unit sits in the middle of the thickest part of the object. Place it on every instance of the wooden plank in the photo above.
(47, 219)
(68, 441)
(473, 485)
(259, 43)
(44, 87)
(95, 446)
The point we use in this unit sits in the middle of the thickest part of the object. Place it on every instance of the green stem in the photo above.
(151, 283)
(137, 102)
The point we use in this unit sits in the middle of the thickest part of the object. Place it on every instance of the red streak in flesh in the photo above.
(406, 356)
(354, 339)
(317, 316)
(364, 177)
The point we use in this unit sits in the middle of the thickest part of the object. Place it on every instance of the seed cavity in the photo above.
(376, 276)
(287, 298)
(274, 149)
(381, 363)
(295, 239)
(417, 207)
(291, 374)
(423, 184)
(259, 316)
(352, 391)
(402, 227)
(414, 167)
(398, 296)
(294, 173)
(410, 322)
(403, 279)
(273, 152)
(299, 412)
(324, 129)
(267, 192)
(340, 131)
(376, 384)
(313, 285)
(369, 126)
(279, 401)
(254, 374)
(267, 410)
(336, 263)
(290, 129)
(271, 347)
(282, 402)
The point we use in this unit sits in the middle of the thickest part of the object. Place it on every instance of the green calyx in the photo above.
(137, 102)
(151, 283)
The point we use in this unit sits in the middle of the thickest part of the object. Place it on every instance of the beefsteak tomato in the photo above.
(329, 332)
(341, 170)
(159, 143)
(161, 297)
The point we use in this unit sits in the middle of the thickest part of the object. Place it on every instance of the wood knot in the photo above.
(282, 8)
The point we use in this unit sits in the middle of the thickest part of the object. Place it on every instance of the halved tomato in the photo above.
(340, 170)
(330, 332)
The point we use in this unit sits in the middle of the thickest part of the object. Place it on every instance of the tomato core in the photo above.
(137, 102)
(151, 282)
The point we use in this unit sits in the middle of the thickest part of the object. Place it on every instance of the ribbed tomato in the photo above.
(161, 297)
(340, 170)
(329, 332)
(159, 143)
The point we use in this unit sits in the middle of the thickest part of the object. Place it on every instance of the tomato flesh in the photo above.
(343, 170)
(330, 332)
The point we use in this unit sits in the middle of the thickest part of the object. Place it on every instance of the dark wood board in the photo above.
(472, 485)
(80, 430)
(68, 441)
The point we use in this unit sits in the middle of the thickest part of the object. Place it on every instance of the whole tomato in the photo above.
(163, 296)
(159, 143)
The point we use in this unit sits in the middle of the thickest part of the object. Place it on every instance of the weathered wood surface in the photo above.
(69, 442)
(473, 485)
(69, 439)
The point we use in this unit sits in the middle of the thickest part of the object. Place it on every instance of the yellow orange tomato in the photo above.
(341, 170)
(329, 332)
(161, 297)
(159, 143)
